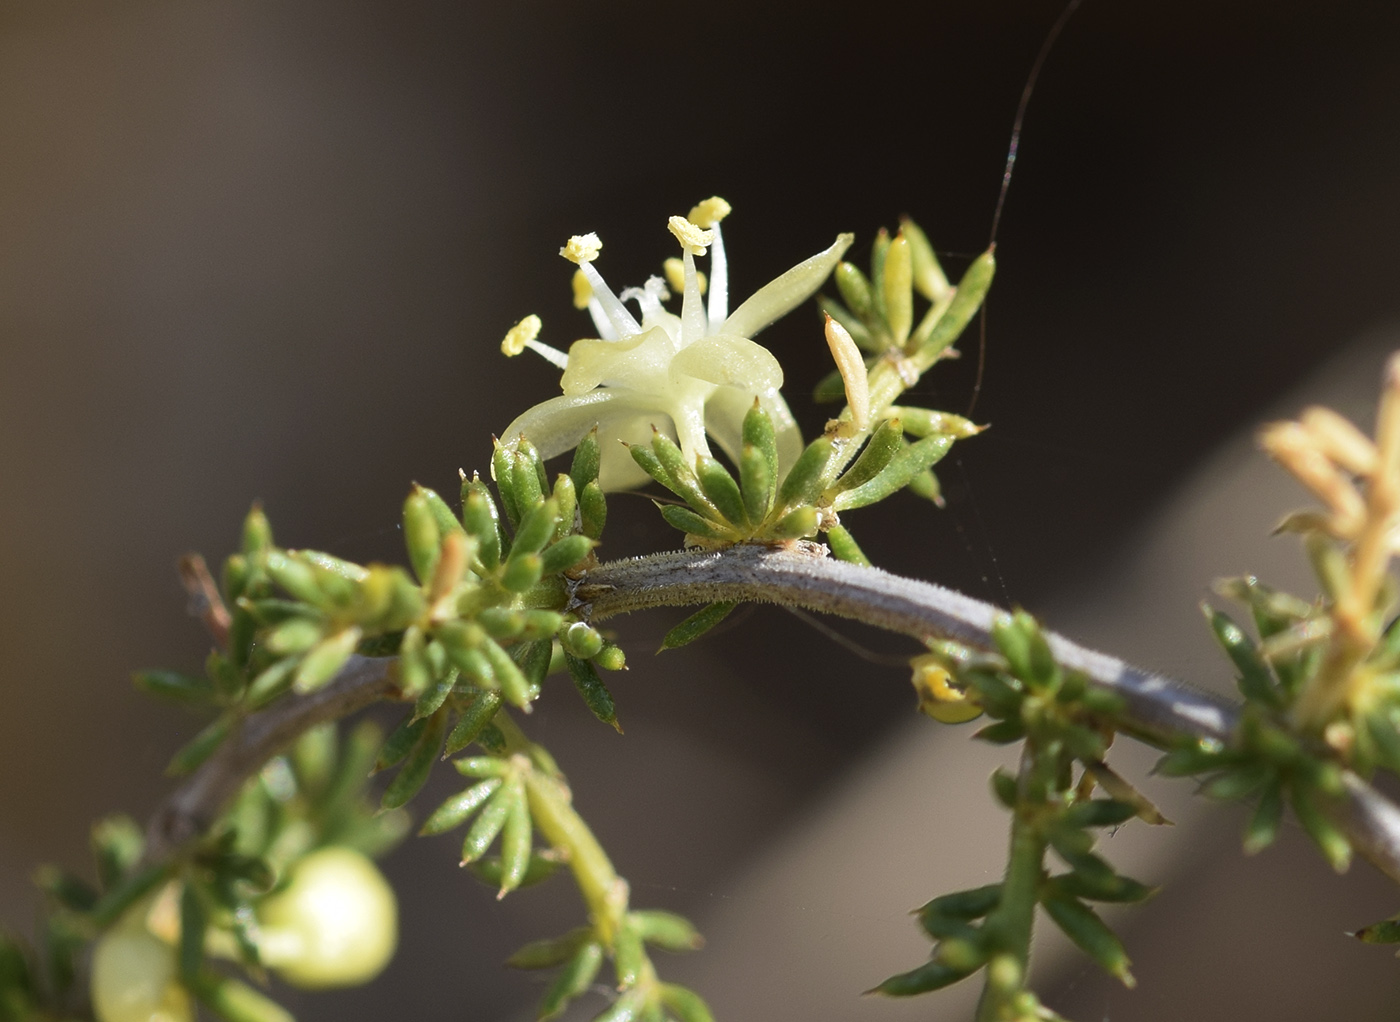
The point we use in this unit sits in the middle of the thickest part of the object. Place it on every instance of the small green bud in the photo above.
(566, 497)
(501, 622)
(804, 480)
(593, 511)
(758, 432)
(527, 476)
(505, 482)
(721, 489)
(855, 292)
(972, 288)
(296, 577)
(628, 955)
(686, 1005)
(879, 251)
(490, 870)
(885, 442)
(325, 659)
(540, 624)
(515, 843)
(929, 279)
(515, 687)
(680, 477)
(757, 482)
(796, 524)
(521, 573)
(689, 522)
(581, 640)
(536, 529)
(551, 951)
(574, 979)
(897, 283)
(257, 532)
(611, 658)
(236, 574)
(475, 717)
(587, 456)
(447, 522)
(421, 535)
(490, 821)
(666, 930)
(481, 520)
(1335, 847)
(459, 808)
(566, 553)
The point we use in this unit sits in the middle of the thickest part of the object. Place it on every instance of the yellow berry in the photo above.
(336, 923)
(134, 977)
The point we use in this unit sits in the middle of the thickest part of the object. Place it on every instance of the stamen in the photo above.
(549, 353)
(709, 212)
(675, 275)
(582, 248)
(616, 313)
(520, 335)
(582, 292)
(692, 315)
(719, 274)
(693, 240)
(600, 319)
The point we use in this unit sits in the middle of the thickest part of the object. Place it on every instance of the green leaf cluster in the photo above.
(579, 956)
(481, 619)
(1064, 728)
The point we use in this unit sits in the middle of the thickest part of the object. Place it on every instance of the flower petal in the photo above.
(780, 296)
(724, 421)
(556, 425)
(730, 361)
(639, 362)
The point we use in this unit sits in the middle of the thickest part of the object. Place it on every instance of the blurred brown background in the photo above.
(267, 251)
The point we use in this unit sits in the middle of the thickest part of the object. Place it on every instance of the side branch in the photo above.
(193, 807)
(1157, 709)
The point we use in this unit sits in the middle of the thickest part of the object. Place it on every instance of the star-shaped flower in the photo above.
(692, 376)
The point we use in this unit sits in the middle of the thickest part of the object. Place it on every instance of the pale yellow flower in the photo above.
(693, 376)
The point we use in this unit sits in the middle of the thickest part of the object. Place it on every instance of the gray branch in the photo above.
(192, 808)
(1158, 710)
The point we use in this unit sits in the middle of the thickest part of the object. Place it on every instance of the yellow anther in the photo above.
(583, 291)
(582, 248)
(674, 270)
(520, 335)
(710, 212)
(692, 238)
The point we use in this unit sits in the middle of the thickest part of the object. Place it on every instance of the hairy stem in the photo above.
(1157, 709)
